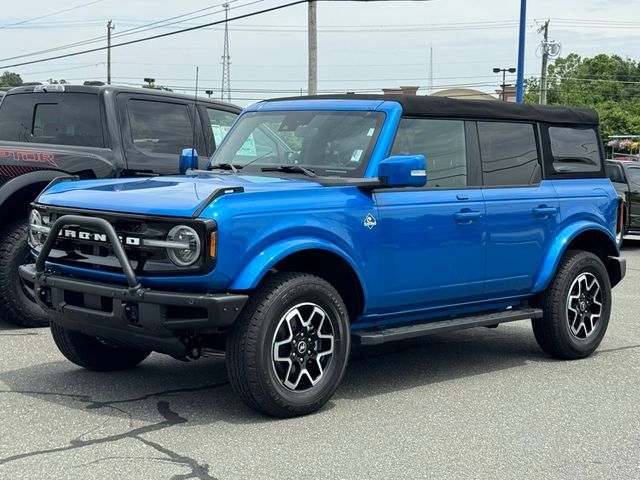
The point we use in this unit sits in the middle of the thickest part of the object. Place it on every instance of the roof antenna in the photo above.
(195, 113)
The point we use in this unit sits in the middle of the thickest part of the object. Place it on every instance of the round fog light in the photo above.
(36, 237)
(189, 252)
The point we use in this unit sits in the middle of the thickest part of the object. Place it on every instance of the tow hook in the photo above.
(131, 312)
(44, 295)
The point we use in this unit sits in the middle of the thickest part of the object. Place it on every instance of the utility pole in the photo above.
(110, 27)
(430, 92)
(313, 50)
(226, 59)
(545, 60)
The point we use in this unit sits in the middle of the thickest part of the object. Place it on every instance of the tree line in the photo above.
(609, 84)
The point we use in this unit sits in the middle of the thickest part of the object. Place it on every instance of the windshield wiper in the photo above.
(290, 168)
(225, 166)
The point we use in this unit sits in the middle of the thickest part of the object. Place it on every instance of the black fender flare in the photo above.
(16, 184)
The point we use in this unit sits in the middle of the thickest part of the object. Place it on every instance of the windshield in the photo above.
(331, 143)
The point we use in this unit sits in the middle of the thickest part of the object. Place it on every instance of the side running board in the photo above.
(404, 332)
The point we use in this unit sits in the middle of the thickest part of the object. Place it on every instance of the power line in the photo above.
(124, 33)
(33, 19)
(161, 35)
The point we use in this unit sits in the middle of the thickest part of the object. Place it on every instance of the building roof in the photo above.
(464, 94)
(431, 106)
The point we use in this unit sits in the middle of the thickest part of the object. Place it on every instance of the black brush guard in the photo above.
(131, 315)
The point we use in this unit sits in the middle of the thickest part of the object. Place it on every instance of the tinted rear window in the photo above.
(509, 153)
(574, 149)
(53, 118)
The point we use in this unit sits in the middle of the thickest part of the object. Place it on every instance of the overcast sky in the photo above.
(362, 46)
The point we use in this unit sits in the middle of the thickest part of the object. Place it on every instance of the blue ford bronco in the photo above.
(323, 221)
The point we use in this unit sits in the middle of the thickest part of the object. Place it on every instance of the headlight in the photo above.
(186, 248)
(37, 229)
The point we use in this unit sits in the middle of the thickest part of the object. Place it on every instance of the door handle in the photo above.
(544, 211)
(467, 216)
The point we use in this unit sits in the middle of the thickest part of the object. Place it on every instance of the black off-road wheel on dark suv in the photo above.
(91, 353)
(288, 351)
(17, 303)
(576, 305)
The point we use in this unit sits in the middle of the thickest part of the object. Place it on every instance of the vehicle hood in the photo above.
(168, 196)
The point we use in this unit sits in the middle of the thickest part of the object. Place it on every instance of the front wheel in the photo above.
(288, 351)
(576, 307)
(90, 353)
(17, 302)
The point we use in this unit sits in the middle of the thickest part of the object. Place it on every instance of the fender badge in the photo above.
(370, 221)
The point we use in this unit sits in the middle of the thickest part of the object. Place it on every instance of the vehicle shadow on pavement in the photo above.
(202, 387)
(438, 358)
(630, 244)
(9, 327)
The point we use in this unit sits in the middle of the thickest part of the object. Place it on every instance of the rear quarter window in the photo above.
(574, 149)
(220, 122)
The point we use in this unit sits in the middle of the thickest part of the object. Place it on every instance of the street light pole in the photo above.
(523, 26)
(504, 79)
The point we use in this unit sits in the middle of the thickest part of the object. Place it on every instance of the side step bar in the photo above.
(404, 332)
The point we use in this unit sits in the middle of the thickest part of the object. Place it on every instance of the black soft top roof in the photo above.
(430, 106)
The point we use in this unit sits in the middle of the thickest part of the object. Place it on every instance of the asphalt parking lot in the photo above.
(484, 403)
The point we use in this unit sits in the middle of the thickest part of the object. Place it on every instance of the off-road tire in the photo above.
(90, 353)
(16, 306)
(250, 364)
(552, 331)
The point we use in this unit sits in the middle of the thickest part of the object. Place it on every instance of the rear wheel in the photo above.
(288, 351)
(17, 303)
(90, 353)
(577, 306)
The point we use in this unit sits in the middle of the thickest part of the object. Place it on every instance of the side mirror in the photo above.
(188, 160)
(403, 171)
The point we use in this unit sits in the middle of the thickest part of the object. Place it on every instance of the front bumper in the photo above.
(138, 317)
(131, 315)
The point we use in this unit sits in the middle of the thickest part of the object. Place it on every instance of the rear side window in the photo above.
(160, 127)
(55, 118)
(442, 142)
(220, 122)
(574, 149)
(509, 153)
(614, 172)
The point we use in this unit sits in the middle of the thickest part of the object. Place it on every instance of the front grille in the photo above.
(92, 251)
